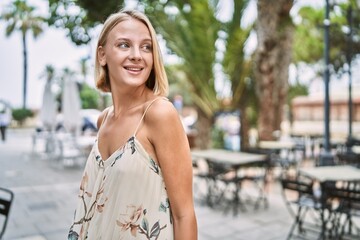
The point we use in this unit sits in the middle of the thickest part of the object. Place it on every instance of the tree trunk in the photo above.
(204, 124)
(25, 70)
(244, 128)
(273, 57)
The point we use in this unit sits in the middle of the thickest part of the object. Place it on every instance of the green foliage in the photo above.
(235, 64)
(178, 83)
(309, 36)
(20, 16)
(98, 11)
(21, 114)
(252, 115)
(217, 138)
(89, 97)
(191, 30)
(80, 16)
(295, 90)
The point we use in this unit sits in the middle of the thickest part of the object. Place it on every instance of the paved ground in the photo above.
(45, 196)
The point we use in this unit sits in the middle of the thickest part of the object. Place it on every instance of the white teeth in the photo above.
(133, 69)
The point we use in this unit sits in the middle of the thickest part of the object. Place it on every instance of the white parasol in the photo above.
(48, 109)
(71, 105)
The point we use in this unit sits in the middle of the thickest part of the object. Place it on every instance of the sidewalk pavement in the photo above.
(46, 194)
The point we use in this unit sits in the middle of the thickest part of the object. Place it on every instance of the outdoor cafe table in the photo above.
(356, 149)
(333, 174)
(277, 145)
(280, 151)
(230, 160)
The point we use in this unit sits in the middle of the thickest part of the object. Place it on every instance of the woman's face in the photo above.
(128, 54)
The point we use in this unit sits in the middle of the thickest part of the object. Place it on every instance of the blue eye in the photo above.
(123, 45)
(147, 47)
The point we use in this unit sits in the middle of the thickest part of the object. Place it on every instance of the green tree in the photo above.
(89, 97)
(80, 16)
(21, 114)
(19, 16)
(192, 32)
(309, 35)
(237, 66)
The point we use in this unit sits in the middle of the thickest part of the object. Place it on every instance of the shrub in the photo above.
(21, 114)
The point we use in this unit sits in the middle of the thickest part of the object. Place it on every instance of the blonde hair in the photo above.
(157, 80)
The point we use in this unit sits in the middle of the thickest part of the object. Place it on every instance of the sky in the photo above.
(52, 47)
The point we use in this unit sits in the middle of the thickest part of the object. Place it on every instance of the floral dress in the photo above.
(122, 197)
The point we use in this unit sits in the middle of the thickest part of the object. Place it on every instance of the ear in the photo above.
(101, 56)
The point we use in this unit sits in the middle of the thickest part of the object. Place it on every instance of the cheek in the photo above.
(150, 61)
(114, 59)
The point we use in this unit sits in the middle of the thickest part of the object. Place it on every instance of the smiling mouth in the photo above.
(133, 69)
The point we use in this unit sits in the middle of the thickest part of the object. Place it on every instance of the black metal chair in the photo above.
(345, 202)
(6, 199)
(304, 205)
(259, 175)
(225, 185)
(210, 179)
(348, 158)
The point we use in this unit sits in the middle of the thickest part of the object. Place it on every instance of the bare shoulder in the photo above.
(164, 126)
(161, 111)
(102, 116)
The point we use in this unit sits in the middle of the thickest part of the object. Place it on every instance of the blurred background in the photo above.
(59, 46)
(242, 73)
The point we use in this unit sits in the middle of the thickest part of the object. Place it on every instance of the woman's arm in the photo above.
(173, 155)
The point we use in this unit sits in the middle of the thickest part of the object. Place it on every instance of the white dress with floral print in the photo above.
(123, 197)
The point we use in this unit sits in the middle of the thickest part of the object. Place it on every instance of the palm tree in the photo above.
(191, 35)
(237, 66)
(21, 17)
(191, 31)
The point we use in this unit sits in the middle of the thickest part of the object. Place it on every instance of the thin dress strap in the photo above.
(147, 108)
(103, 120)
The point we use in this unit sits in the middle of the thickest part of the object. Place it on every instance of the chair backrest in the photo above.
(297, 185)
(297, 191)
(348, 194)
(6, 199)
(348, 158)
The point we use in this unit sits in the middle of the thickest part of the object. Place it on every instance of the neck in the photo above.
(125, 102)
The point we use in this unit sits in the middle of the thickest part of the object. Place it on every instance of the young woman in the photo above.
(137, 182)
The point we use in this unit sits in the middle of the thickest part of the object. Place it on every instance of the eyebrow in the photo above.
(129, 40)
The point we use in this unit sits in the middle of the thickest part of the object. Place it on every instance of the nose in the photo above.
(135, 54)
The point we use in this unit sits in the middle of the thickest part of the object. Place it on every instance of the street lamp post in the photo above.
(349, 56)
(326, 157)
(349, 59)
